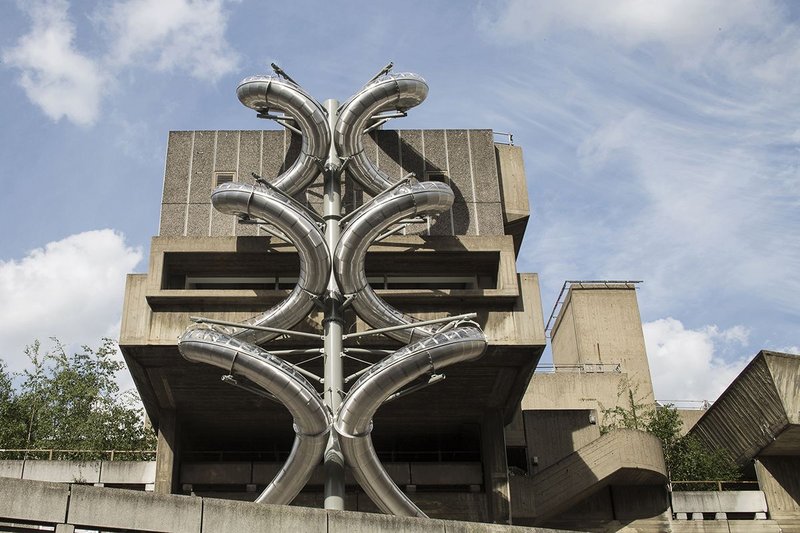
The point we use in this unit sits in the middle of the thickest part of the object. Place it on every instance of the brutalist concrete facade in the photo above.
(445, 443)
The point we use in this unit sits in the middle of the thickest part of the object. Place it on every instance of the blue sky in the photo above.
(661, 139)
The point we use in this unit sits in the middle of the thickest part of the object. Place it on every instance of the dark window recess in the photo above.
(224, 178)
(517, 457)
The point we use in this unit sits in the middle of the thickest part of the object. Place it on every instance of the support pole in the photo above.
(333, 322)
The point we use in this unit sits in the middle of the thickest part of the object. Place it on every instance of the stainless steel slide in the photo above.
(202, 344)
(235, 348)
(267, 205)
(354, 421)
(413, 198)
(264, 93)
(391, 92)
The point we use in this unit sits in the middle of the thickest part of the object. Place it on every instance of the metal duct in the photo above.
(414, 198)
(354, 420)
(397, 92)
(302, 231)
(311, 418)
(263, 93)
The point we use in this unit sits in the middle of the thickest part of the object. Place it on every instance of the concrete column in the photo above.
(65, 528)
(779, 479)
(166, 454)
(495, 467)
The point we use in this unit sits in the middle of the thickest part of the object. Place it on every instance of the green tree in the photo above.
(71, 401)
(686, 457)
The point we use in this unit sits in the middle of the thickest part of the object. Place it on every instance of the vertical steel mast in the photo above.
(333, 321)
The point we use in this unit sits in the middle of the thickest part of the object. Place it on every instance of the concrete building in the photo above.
(445, 443)
(493, 442)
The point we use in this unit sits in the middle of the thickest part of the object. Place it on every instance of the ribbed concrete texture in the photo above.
(41, 503)
(466, 159)
(759, 413)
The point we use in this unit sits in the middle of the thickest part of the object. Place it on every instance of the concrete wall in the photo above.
(465, 157)
(689, 417)
(101, 508)
(573, 390)
(602, 325)
(553, 434)
(779, 479)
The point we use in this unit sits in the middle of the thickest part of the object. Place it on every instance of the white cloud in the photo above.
(687, 26)
(689, 364)
(165, 35)
(71, 289)
(57, 77)
(170, 35)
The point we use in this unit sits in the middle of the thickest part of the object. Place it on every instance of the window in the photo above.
(223, 177)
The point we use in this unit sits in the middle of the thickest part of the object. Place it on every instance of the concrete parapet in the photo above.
(126, 509)
(33, 500)
(747, 501)
(225, 515)
(349, 522)
(62, 471)
(68, 506)
(11, 468)
(128, 472)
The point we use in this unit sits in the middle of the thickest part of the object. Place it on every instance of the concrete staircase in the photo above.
(621, 457)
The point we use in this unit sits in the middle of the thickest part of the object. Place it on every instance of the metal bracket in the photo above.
(230, 379)
(434, 379)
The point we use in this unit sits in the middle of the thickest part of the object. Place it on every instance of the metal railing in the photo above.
(55, 454)
(718, 485)
(583, 368)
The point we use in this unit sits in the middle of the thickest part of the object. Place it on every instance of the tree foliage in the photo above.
(70, 402)
(687, 458)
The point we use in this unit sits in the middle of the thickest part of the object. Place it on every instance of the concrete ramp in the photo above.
(621, 457)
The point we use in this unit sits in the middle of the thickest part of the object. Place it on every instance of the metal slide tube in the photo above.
(262, 93)
(397, 92)
(354, 421)
(311, 419)
(265, 204)
(414, 198)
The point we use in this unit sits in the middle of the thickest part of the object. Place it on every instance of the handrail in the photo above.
(51, 451)
(719, 483)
